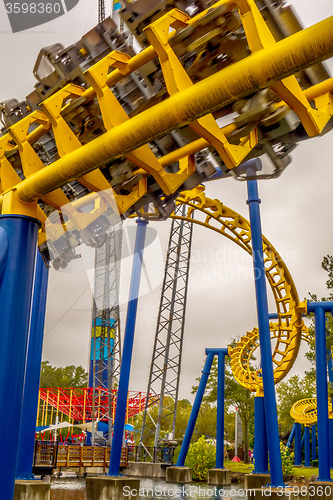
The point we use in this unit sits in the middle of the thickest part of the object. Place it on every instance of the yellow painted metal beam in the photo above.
(193, 147)
(257, 71)
(135, 63)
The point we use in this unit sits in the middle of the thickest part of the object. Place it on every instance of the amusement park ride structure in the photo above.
(108, 133)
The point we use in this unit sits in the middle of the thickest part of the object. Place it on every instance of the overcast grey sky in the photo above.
(296, 211)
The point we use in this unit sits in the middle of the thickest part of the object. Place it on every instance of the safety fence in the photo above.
(49, 455)
(153, 454)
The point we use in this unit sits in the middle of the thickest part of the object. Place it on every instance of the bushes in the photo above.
(287, 463)
(201, 456)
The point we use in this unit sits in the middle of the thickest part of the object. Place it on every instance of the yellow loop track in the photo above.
(305, 411)
(288, 329)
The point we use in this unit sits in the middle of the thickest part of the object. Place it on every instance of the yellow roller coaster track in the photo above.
(305, 411)
(288, 330)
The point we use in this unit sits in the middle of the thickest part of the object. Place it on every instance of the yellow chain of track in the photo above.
(305, 411)
(288, 329)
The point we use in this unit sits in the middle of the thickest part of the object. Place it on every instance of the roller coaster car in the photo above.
(212, 40)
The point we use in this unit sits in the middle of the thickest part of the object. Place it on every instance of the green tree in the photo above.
(288, 393)
(205, 424)
(200, 458)
(68, 376)
(183, 414)
(327, 264)
(235, 396)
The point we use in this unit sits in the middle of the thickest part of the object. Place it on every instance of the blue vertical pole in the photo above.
(264, 336)
(330, 425)
(291, 437)
(260, 437)
(314, 441)
(16, 283)
(195, 410)
(298, 444)
(125, 368)
(32, 373)
(330, 378)
(220, 412)
(322, 395)
(307, 446)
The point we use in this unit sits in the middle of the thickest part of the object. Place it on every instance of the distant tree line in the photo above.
(69, 376)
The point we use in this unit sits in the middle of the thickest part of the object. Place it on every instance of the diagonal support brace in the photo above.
(177, 79)
(260, 37)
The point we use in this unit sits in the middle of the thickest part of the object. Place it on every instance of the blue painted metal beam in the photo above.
(264, 334)
(314, 441)
(15, 299)
(195, 410)
(126, 359)
(330, 426)
(307, 447)
(3, 252)
(291, 437)
(220, 409)
(319, 309)
(260, 437)
(32, 373)
(298, 444)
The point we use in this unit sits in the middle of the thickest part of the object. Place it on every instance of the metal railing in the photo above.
(54, 455)
(154, 454)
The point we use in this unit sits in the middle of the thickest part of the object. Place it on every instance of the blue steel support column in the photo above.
(260, 437)
(220, 409)
(195, 410)
(126, 360)
(314, 441)
(32, 373)
(264, 336)
(291, 437)
(322, 392)
(330, 426)
(330, 378)
(307, 446)
(16, 285)
(298, 444)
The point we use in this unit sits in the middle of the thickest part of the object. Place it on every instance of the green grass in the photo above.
(305, 471)
(238, 466)
(247, 468)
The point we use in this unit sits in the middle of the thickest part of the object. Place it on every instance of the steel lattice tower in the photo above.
(166, 359)
(101, 10)
(105, 336)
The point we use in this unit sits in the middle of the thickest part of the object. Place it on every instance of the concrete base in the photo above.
(256, 480)
(145, 469)
(178, 475)
(112, 488)
(95, 470)
(219, 476)
(31, 490)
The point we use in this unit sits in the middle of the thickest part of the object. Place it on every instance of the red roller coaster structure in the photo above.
(77, 404)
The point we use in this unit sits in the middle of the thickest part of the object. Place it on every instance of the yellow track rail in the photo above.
(305, 411)
(288, 330)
